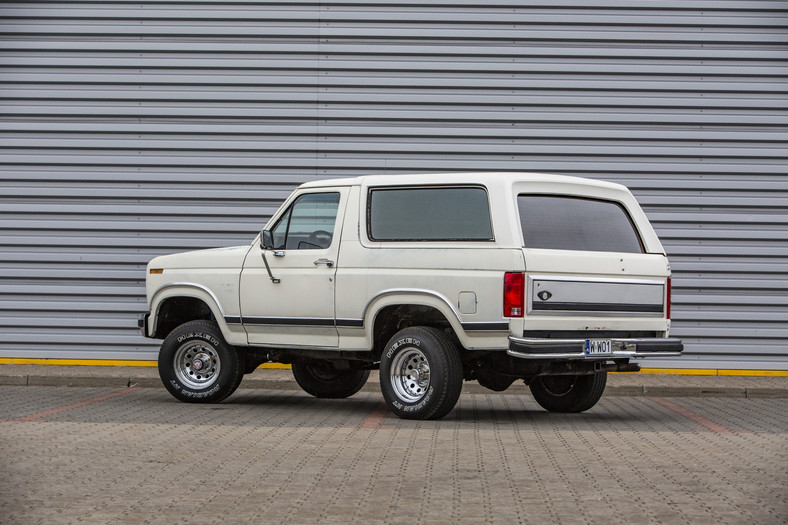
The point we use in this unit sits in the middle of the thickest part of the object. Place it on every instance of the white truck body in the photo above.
(363, 269)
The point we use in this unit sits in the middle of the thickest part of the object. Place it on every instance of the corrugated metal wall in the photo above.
(131, 129)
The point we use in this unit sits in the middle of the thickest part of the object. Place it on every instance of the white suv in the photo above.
(433, 279)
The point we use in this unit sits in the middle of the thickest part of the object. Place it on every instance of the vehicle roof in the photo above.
(486, 178)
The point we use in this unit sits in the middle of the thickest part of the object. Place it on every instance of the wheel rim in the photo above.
(410, 375)
(559, 386)
(197, 364)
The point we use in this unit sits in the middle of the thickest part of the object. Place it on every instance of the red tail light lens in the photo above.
(513, 294)
(667, 301)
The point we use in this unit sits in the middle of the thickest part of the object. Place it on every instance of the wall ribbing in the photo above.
(133, 129)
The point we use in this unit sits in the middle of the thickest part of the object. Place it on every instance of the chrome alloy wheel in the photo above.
(410, 375)
(197, 364)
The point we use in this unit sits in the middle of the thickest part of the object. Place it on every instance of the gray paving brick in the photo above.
(107, 455)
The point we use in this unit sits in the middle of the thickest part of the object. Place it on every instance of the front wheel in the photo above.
(197, 365)
(322, 379)
(420, 374)
(574, 393)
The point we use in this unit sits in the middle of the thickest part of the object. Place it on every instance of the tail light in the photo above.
(667, 300)
(513, 294)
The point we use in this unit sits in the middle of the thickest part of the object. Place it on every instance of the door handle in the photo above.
(325, 261)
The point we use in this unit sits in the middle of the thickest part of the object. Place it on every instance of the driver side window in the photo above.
(308, 224)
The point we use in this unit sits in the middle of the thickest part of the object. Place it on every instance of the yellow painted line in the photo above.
(766, 373)
(74, 362)
(275, 365)
(100, 362)
(712, 372)
(679, 371)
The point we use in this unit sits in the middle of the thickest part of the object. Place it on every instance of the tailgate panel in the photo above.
(553, 295)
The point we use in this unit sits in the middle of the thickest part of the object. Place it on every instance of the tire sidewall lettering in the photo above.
(199, 335)
(397, 373)
(420, 405)
(199, 394)
(401, 345)
(412, 341)
(205, 334)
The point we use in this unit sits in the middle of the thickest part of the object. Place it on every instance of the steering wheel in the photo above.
(320, 238)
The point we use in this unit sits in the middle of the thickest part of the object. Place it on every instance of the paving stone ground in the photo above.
(135, 455)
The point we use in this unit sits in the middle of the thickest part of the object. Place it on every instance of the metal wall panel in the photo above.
(129, 130)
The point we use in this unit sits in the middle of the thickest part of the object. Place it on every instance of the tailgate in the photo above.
(592, 291)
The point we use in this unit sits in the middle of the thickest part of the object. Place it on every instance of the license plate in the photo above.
(599, 347)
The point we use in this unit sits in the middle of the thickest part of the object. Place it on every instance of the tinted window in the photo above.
(429, 214)
(308, 224)
(570, 223)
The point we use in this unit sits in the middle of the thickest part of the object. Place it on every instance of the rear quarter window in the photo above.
(429, 214)
(575, 223)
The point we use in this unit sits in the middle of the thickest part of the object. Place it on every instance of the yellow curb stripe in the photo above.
(713, 372)
(99, 362)
(767, 373)
(679, 371)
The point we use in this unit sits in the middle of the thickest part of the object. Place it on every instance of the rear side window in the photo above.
(429, 214)
(574, 223)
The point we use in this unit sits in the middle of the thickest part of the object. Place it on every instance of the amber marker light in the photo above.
(156, 270)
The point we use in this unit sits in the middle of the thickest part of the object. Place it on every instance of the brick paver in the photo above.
(108, 455)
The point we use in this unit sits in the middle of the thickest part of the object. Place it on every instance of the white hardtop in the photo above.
(488, 179)
(503, 186)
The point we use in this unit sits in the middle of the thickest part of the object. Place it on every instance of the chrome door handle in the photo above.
(328, 263)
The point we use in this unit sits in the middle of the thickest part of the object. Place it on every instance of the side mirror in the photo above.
(266, 240)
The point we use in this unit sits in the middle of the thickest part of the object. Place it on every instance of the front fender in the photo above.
(202, 293)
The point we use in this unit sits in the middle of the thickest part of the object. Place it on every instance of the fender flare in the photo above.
(406, 296)
(195, 291)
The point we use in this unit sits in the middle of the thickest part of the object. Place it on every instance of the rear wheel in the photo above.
(493, 380)
(574, 393)
(322, 379)
(421, 374)
(197, 365)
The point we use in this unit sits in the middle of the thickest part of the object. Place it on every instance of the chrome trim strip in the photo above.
(581, 279)
(581, 356)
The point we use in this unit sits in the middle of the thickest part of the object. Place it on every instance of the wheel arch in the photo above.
(176, 303)
(392, 310)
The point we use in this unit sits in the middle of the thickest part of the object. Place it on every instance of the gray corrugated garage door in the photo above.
(135, 129)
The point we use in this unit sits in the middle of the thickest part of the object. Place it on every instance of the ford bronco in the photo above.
(433, 280)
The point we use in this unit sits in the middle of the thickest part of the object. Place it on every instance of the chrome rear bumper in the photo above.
(531, 348)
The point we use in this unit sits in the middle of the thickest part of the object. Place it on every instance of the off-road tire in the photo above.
(568, 394)
(197, 365)
(421, 373)
(321, 379)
